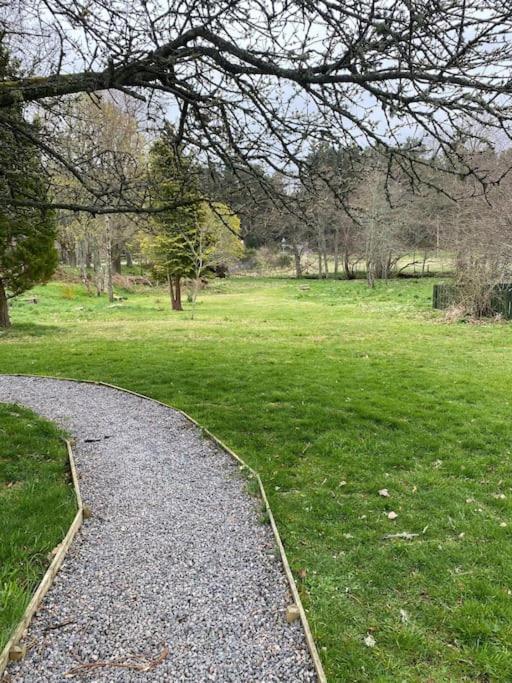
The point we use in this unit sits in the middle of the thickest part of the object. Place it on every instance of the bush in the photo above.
(283, 261)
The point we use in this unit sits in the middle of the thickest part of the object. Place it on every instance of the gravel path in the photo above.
(173, 556)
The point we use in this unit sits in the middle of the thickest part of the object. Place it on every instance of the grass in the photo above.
(332, 392)
(36, 507)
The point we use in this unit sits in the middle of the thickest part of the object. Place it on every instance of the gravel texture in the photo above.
(174, 555)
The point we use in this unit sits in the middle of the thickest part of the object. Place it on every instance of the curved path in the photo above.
(174, 562)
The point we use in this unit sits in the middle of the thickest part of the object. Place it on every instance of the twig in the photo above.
(52, 627)
(133, 662)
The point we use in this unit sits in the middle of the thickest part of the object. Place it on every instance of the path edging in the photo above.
(284, 560)
(51, 572)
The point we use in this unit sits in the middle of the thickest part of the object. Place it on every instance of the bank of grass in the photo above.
(36, 507)
(333, 392)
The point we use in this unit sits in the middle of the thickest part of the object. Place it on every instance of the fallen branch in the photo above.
(133, 662)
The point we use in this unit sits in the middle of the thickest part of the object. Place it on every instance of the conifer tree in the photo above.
(174, 182)
(27, 235)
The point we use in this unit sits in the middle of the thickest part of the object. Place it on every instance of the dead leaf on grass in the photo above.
(404, 616)
(369, 640)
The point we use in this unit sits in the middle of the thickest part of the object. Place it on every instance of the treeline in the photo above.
(149, 199)
(357, 211)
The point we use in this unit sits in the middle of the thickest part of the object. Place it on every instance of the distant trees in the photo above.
(382, 216)
(477, 231)
(223, 226)
(332, 175)
(27, 234)
(207, 241)
(354, 210)
(294, 231)
(357, 212)
(106, 137)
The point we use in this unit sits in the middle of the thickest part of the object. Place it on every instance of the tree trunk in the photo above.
(298, 264)
(99, 279)
(336, 250)
(349, 274)
(109, 259)
(4, 307)
(129, 260)
(67, 256)
(196, 286)
(425, 256)
(370, 274)
(176, 304)
(322, 249)
(79, 254)
(110, 286)
(171, 288)
(116, 262)
(379, 268)
(175, 292)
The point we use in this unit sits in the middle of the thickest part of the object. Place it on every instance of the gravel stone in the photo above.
(173, 555)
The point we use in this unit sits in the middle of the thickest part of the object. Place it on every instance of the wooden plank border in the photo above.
(284, 560)
(51, 572)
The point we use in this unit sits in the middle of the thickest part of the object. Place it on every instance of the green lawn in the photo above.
(333, 392)
(37, 505)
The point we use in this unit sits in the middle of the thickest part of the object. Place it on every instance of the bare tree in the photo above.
(478, 232)
(104, 138)
(260, 83)
(382, 215)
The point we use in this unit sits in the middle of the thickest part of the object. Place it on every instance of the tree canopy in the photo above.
(251, 83)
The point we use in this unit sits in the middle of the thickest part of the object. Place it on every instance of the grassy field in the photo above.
(334, 392)
(37, 506)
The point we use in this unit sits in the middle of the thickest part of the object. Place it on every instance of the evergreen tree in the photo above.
(174, 180)
(27, 235)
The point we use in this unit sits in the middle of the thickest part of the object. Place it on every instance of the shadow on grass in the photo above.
(28, 330)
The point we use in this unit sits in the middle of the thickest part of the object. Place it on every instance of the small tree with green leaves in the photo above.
(215, 243)
(173, 260)
(27, 235)
(192, 235)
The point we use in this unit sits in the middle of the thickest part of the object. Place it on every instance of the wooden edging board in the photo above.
(51, 572)
(291, 581)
